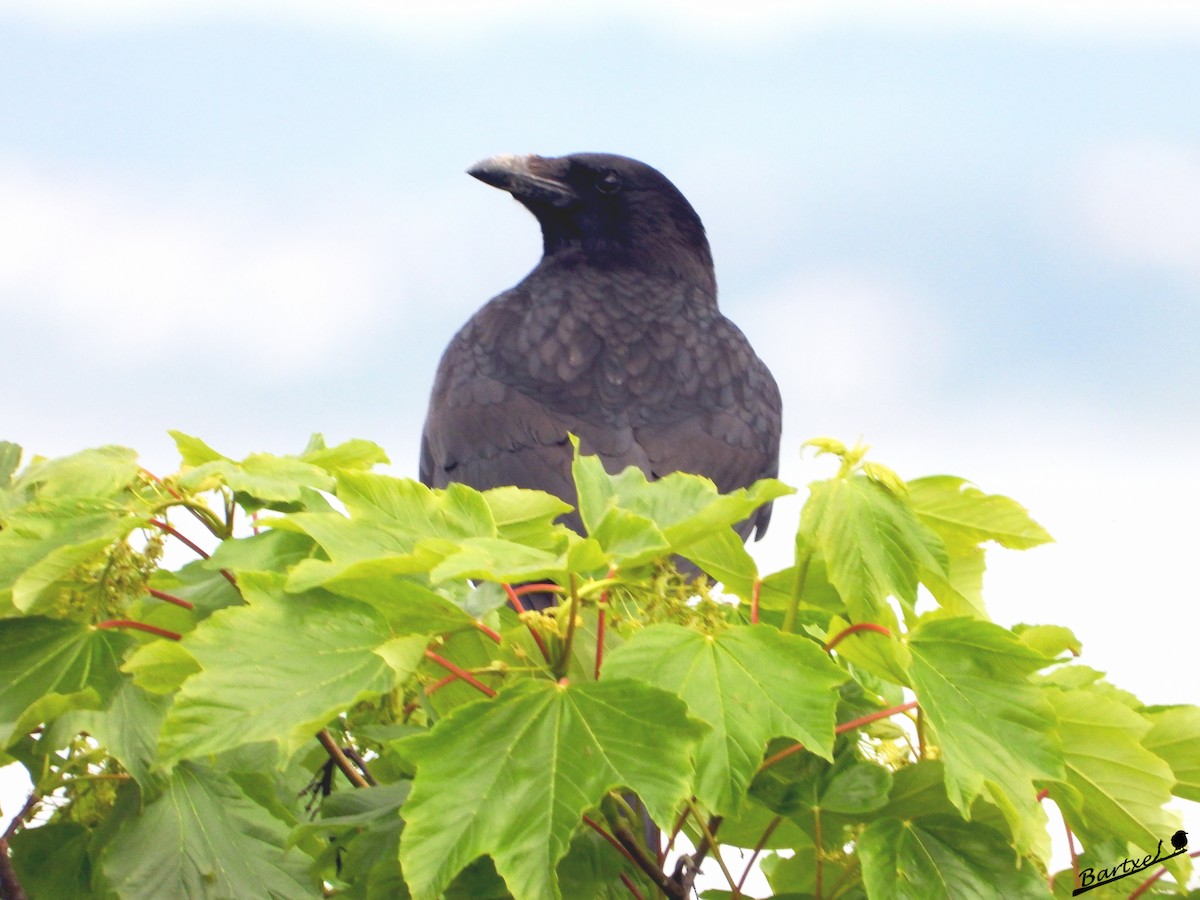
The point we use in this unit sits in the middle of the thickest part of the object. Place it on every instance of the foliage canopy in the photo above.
(337, 693)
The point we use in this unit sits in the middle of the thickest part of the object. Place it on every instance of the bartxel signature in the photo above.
(1089, 878)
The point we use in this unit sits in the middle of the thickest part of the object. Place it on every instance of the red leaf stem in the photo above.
(519, 608)
(754, 601)
(140, 626)
(439, 684)
(861, 626)
(542, 586)
(875, 717)
(170, 490)
(628, 882)
(603, 832)
(170, 598)
(758, 848)
(461, 673)
(186, 541)
(517, 605)
(493, 635)
(841, 729)
(1146, 885)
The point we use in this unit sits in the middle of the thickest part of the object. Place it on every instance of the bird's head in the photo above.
(612, 210)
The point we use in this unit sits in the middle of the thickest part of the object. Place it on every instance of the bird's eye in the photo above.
(609, 183)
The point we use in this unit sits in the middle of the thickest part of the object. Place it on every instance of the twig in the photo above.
(358, 760)
(339, 759)
(1145, 885)
(641, 858)
(628, 882)
(758, 848)
(600, 830)
(10, 887)
(709, 830)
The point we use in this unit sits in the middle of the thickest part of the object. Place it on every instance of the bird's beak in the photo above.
(531, 179)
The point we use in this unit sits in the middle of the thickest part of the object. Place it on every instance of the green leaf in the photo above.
(50, 666)
(961, 513)
(1174, 736)
(39, 547)
(1049, 640)
(411, 508)
(51, 861)
(38, 588)
(128, 730)
(994, 726)
(873, 544)
(883, 656)
(682, 507)
(355, 454)
(959, 589)
(260, 480)
(723, 556)
(511, 777)
(750, 683)
(10, 459)
(407, 606)
(855, 787)
(525, 516)
(100, 474)
(942, 857)
(203, 838)
(193, 451)
(1119, 787)
(323, 654)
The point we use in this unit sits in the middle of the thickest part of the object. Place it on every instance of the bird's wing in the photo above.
(675, 394)
(722, 418)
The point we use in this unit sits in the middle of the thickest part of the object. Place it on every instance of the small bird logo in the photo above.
(1179, 840)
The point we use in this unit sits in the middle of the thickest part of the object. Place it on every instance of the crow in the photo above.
(615, 336)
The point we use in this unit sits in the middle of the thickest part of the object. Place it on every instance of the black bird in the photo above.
(1179, 840)
(615, 336)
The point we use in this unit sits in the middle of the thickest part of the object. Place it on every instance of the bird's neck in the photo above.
(686, 264)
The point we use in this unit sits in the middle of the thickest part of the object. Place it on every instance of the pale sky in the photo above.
(969, 233)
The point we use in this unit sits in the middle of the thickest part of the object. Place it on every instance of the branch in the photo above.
(1146, 885)
(10, 887)
(641, 858)
(709, 830)
(758, 848)
(339, 758)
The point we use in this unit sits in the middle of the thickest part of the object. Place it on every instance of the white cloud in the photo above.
(862, 337)
(1140, 201)
(106, 266)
